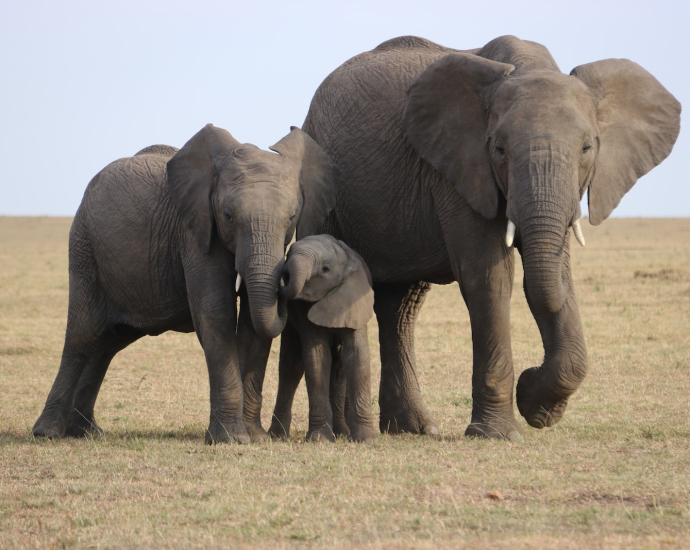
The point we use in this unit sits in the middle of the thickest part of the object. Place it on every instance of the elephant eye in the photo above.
(325, 269)
(500, 149)
(227, 215)
(586, 147)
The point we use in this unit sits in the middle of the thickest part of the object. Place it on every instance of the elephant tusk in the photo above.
(238, 283)
(577, 230)
(282, 281)
(510, 234)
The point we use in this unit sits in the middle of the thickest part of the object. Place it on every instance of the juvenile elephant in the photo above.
(328, 286)
(448, 158)
(158, 243)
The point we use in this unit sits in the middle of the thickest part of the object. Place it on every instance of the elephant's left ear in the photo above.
(445, 121)
(639, 121)
(318, 178)
(351, 304)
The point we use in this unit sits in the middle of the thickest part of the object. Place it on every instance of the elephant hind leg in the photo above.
(82, 421)
(402, 407)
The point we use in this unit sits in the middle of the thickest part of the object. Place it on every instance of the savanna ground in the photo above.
(615, 473)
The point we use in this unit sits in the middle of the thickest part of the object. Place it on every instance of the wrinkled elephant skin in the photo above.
(449, 158)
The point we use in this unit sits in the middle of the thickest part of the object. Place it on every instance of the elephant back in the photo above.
(165, 150)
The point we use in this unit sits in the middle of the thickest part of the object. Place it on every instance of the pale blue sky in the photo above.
(85, 83)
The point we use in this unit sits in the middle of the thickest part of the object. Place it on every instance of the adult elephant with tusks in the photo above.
(162, 241)
(449, 158)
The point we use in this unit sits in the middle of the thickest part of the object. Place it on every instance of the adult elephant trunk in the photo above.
(543, 237)
(295, 274)
(546, 204)
(259, 261)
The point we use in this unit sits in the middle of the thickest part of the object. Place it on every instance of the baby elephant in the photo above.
(331, 300)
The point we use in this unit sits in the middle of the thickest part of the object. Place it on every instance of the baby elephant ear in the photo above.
(351, 304)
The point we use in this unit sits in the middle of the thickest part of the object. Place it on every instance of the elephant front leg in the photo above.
(290, 371)
(543, 392)
(214, 311)
(316, 355)
(253, 356)
(492, 365)
(355, 362)
(400, 399)
(226, 423)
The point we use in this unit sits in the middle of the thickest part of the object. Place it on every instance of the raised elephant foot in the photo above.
(537, 401)
(81, 425)
(226, 432)
(280, 427)
(256, 432)
(495, 428)
(320, 435)
(408, 421)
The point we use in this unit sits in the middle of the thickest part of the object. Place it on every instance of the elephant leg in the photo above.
(253, 355)
(492, 363)
(86, 322)
(542, 392)
(484, 269)
(82, 421)
(356, 364)
(402, 407)
(213, 305)
(290, 371)
(338, 393)
(316, 355)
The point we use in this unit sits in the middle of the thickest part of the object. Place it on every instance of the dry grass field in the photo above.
(615, 473)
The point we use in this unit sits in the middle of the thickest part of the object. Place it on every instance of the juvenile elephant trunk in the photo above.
(295, 274)
(260, 262)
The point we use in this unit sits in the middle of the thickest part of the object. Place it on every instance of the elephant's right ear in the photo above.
(445, 121)
(318, 179)
(191, 179)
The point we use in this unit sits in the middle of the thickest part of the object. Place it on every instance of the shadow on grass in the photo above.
(17, 437)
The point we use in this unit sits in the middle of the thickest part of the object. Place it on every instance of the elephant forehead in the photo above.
(533, 101)
(255, 164)
(546, 88)
(322, 247)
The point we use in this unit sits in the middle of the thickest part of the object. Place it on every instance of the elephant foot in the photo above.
(495, 428)
(322, 434)
(340, 427)
(363, 434)
(81, 425)
(256, 433)
(280, 427)
(50, 427)
(416, 421)
(226, 432)
(536, 401)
